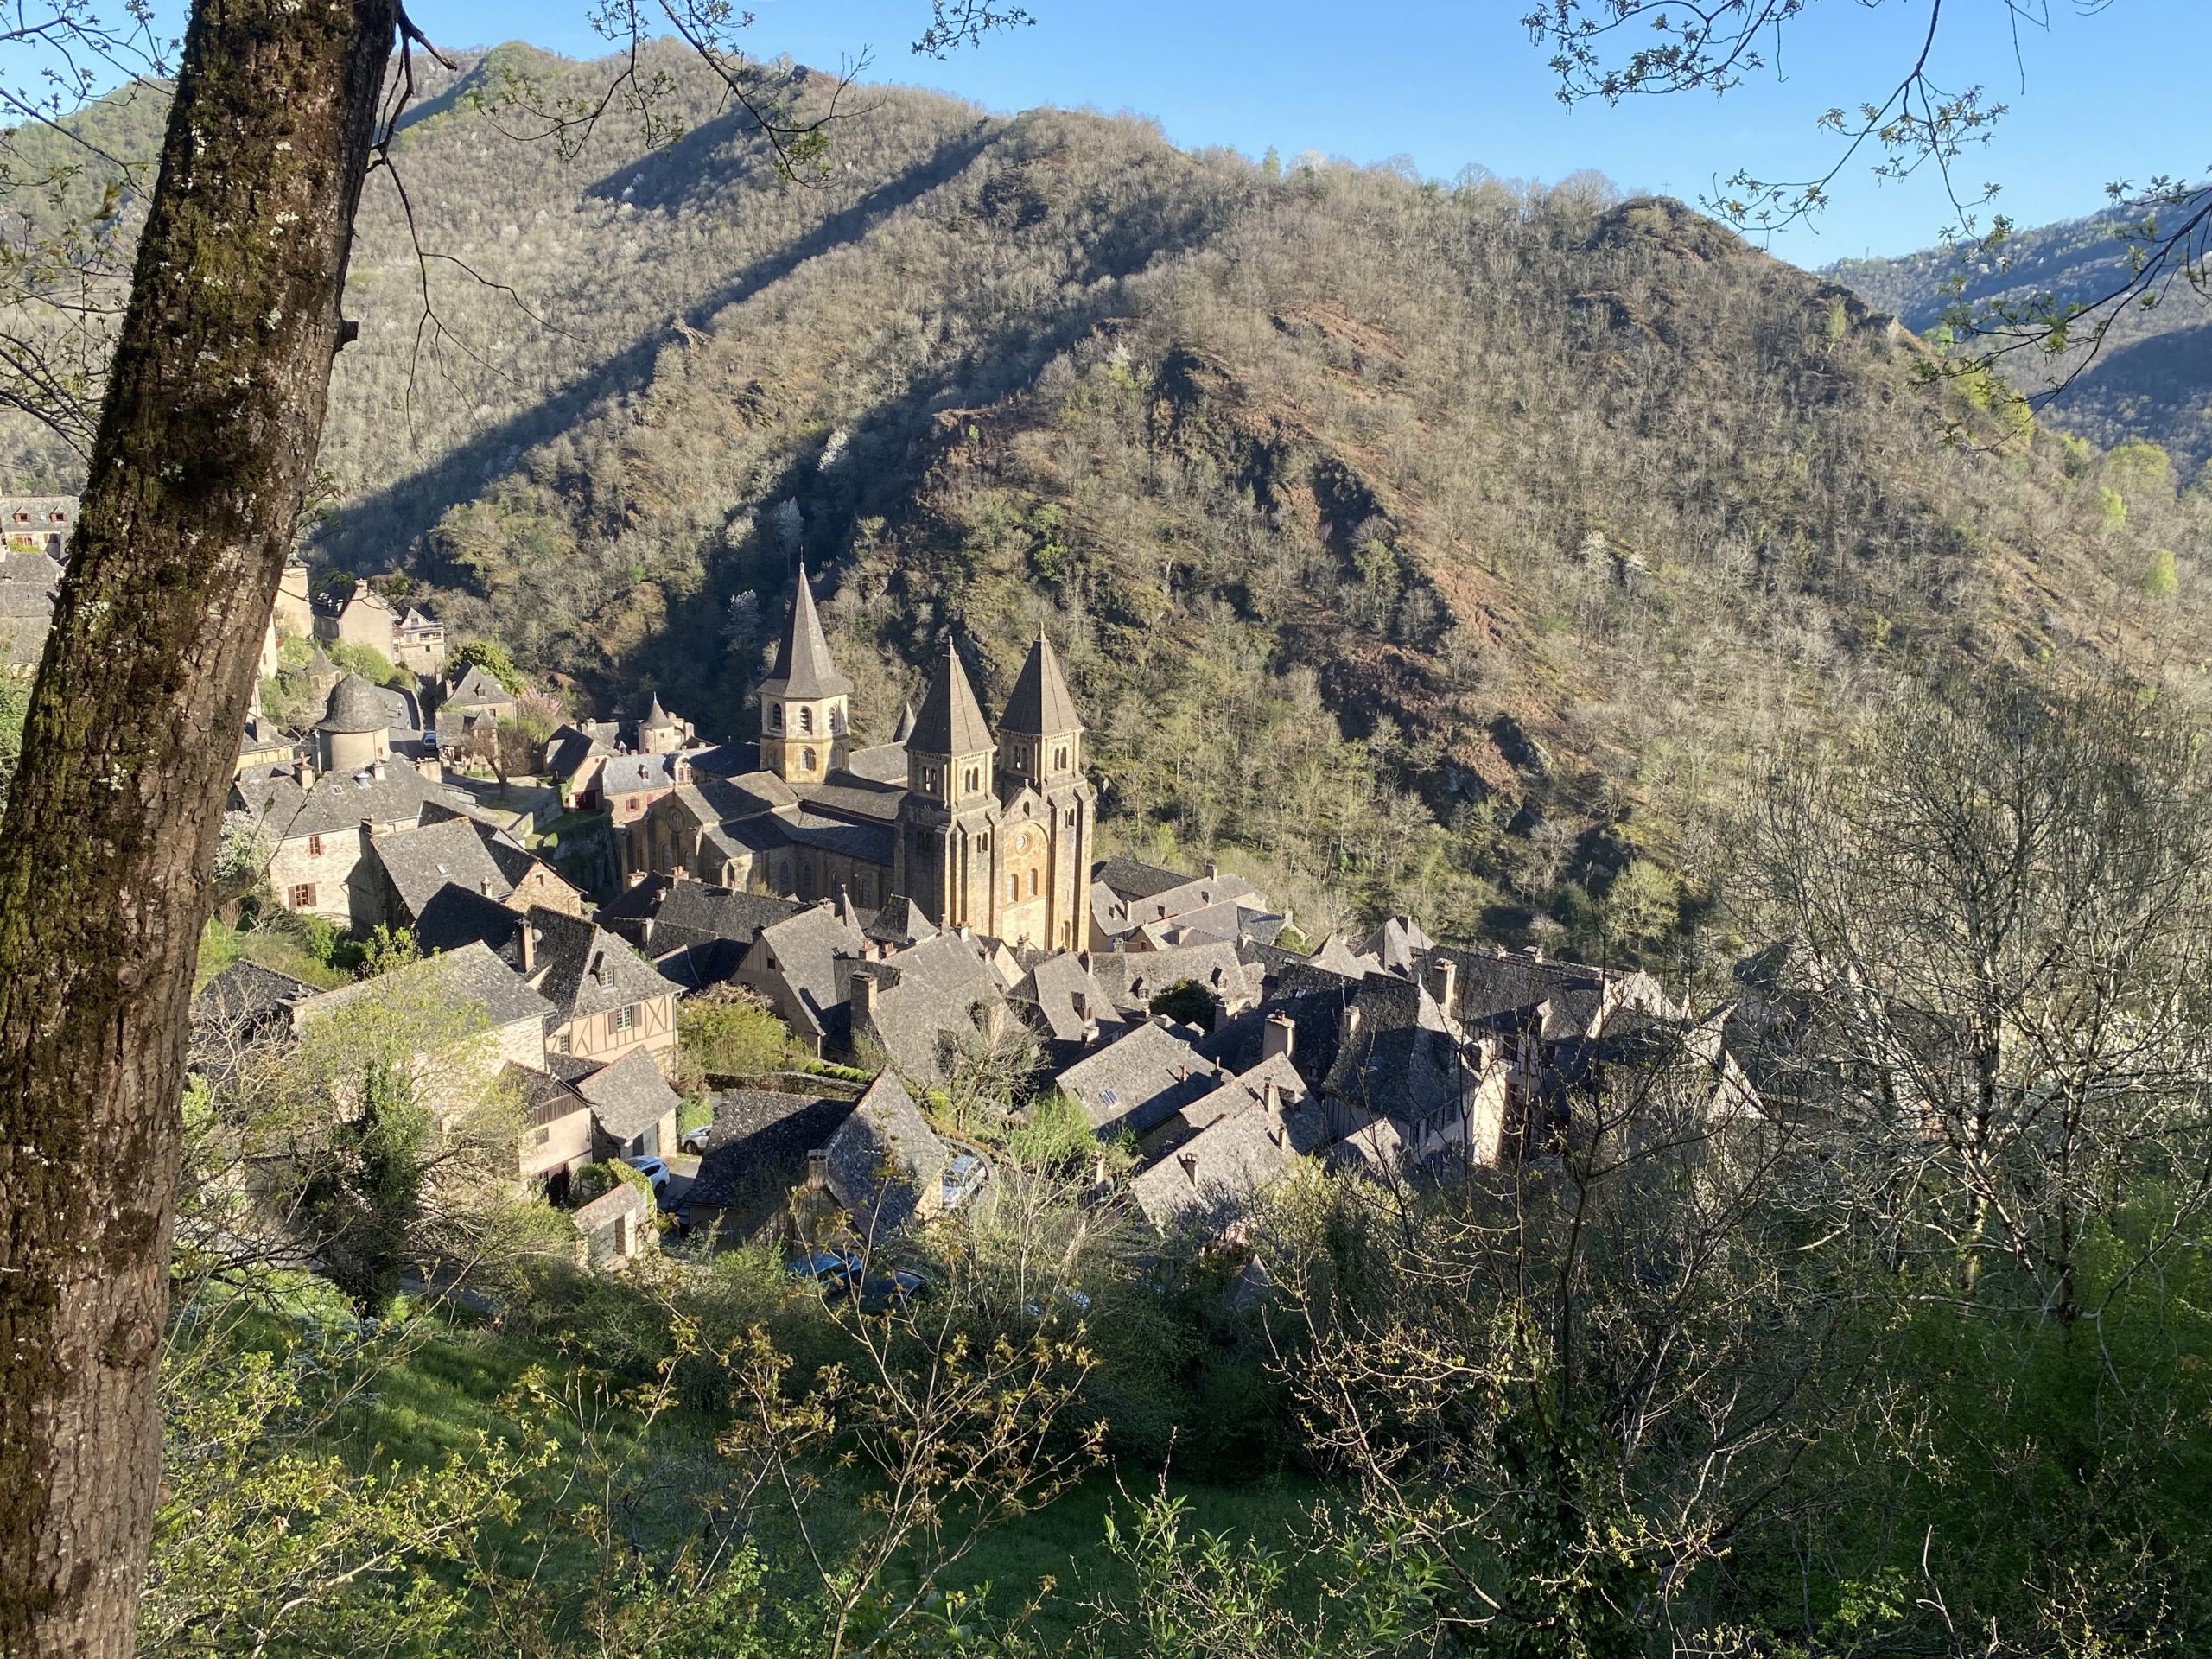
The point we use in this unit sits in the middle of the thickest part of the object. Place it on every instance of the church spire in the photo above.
(803, 666)
(905, 725)
(950, 721)
(1040, 705)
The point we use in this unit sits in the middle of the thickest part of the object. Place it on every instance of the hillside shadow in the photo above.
(404, 510)
(884, 457)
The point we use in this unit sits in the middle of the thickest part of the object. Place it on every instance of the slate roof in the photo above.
(1133, 978)
(455, 915)
(950, 721)
(883, 1158)
(569, 749)
(246, 1003)
(340, 800)
(545, 1098)
(802, 950)
(628, 1097)
(747, 795)
(1312, 999)
(354, 706)
(28, 583)
(846, 794)
(470, 975)
(583, 969)
(870, 844)
(697, 967)
(420, 861)
(1339, 958)
(632, 774)
(1494, 987)
(656, 718)
(899, 921)
(1067, 997)
(1040, 705)
(1129, 878)
(756, 1151)
(927, 994)
(1403, 1058)
(885, 763)
(803, 668)
(692, 912)
(1398, 944)
(1140, 1080)
(477, 688)
(1209, 1180)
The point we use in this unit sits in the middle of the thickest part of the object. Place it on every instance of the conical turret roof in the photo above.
(950, 721)
(656, 717)
(803, 666)
(905, 725)
(354, 707)
(1040, 705)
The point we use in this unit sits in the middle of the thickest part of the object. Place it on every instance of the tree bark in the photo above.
(214, 411)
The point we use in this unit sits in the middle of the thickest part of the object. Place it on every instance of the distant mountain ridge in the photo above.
(1455, 551)
(2151, 380)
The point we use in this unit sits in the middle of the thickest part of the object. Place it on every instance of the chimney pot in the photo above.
(1444, 980)
(1277, 1034)
(1213, 871)
(864, 989)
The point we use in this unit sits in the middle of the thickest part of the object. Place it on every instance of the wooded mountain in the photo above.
(1460, 543)
(2151, 380)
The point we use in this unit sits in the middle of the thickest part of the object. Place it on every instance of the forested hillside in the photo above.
(1465, 541)
(2152, 378)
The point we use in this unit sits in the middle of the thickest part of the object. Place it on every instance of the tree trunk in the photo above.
(214, 411)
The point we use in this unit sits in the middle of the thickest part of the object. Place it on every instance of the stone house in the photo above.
(38, 523)
(632, 1109)
(28, 583)
(470, 978)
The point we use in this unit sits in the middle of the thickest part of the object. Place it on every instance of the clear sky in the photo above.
(2097, 94)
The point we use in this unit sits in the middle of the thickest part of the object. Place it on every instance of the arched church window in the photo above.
(806, 719)
(1034, 877)
(974, 780)
(1060, 759)
(809, 757)
(929, 778)
(782, 875)
(776, 716)
(1013, 888)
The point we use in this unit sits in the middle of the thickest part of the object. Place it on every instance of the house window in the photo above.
(303, 897)
(542, 1135)
(623, 1019)
(315, 846)
(564, 1044)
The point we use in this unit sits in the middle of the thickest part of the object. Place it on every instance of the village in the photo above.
(929, 925)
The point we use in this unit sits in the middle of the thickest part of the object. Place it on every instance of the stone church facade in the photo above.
(982, 826)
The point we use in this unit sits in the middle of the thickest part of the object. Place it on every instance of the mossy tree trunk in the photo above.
(213, 414)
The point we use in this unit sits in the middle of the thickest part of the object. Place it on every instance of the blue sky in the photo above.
(2094, 97)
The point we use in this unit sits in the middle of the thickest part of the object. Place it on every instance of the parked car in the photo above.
(894, 1290)
(696, 1140)
(830, 1272)
(653, 1170)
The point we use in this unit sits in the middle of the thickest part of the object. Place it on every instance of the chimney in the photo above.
(677, 873)
(1348, 1025)
(1082, 1005)
(817, 1168)
(1213, 871)
(528, 949)
(1277, 1033)
(376, 769)
(483, 887)
(1443, 980)
(635, 879)
(863, 997)
(302, 773)
(1271, 1104)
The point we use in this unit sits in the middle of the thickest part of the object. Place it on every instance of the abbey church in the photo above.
(985, 826)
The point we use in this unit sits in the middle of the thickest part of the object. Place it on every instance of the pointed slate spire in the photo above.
(803, 666)
(950, 721)
(905, 725)
(1040, 705)
(656, 717)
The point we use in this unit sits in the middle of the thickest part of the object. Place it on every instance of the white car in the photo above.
(653, 1170)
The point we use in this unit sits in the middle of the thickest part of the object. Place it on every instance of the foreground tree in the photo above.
(215, 397)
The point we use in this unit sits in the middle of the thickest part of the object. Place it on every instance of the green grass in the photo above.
(282, 949)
